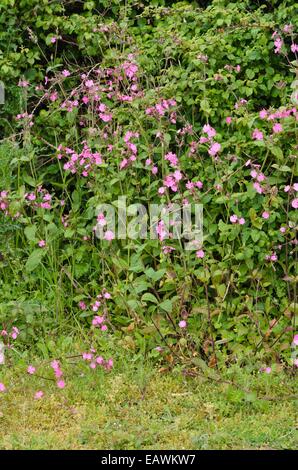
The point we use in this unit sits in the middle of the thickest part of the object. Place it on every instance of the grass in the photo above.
(136, 407)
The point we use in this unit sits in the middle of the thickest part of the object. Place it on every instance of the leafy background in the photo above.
(238, 306)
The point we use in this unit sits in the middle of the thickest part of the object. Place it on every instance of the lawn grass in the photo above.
(137, 407)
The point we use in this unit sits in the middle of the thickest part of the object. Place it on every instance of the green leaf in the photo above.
(155, 275)
(277, 152)
(148, 297)
(30, 232)
(166, 305)
(34, 260)
(221, 289)
(205, 106)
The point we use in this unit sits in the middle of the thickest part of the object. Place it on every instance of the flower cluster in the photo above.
(9, 336)
(214, 147)
(161, 108)
(96, 361)
(82, 163)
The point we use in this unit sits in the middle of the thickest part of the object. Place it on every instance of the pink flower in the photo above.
(282, 229)
(177, 175)
(265, 215)
(109, 364)
(167, 249)
(60, 384)
(101, 219)
(97, 320)
(89, 83)
(31, 370)
(54, 96)
(200, 254)
(241, 221)
(23, 83)
(41, 243)
(172, 158)
(2, 387)
(58, 373)
(105, 117)
(234, 219)
(295, 340)
(209, 131)
(253, 174)
(278, 45)
(277, 128)
(87, 356)
(294, 47)
(38, 395)
(214, 149)
(104, 328)
(288, 28)
(263, 114)
(161, 231)
(228, 120)
(182, 324)
(257, 135)
(82, 305)
(261, 177)
(65, 73)
(294, 203)
(55, 364)
(109, 235)
(189, 185)
(258, 188)
(15, 332)
(267, 370)
(53, 40)
(99, 360)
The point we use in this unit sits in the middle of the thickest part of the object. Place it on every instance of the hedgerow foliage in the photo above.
(163, 102)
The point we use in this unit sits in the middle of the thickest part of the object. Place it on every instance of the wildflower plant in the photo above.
(170, 106)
